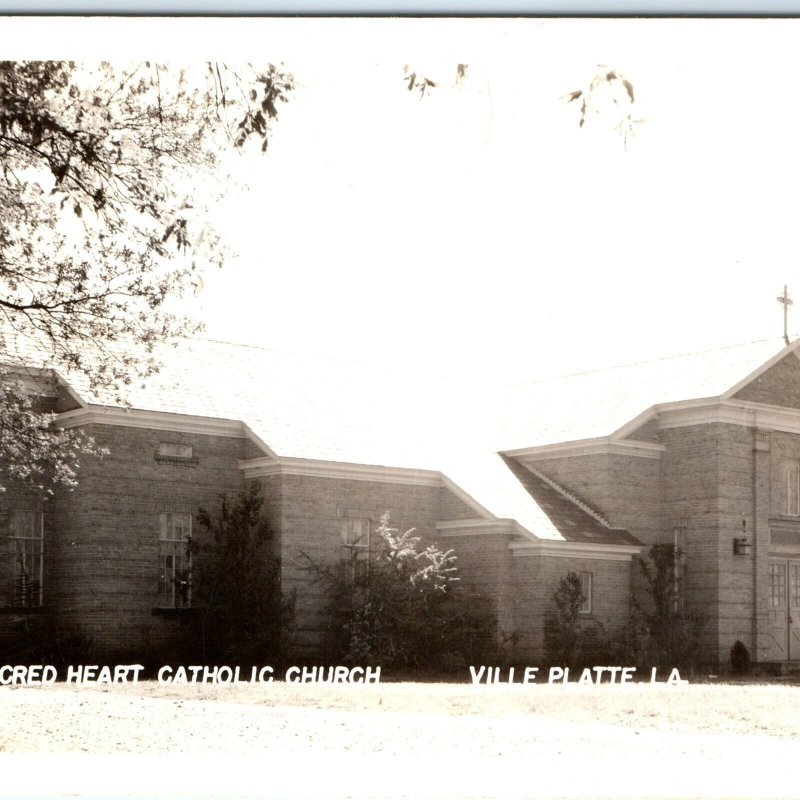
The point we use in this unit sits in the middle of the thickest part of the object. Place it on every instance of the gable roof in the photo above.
(598, 403)
(311, 407)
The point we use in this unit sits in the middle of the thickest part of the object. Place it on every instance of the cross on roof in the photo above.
(785, 301)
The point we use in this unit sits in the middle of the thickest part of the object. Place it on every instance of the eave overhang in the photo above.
(161, 421)
(582, 447)
(590, 550)
(340, 470)
(681, 414)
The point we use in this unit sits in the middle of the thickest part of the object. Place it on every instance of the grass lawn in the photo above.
(401, 740)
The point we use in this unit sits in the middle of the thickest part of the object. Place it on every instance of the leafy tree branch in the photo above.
(107, 175)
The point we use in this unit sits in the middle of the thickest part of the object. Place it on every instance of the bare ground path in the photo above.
(400, 740)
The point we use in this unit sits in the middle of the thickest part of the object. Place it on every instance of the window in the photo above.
(777, 585)
(791, 485)
(25, 529)
(175, 560)
(586, 590)
(173, 453)
(794, 586)
(171, 450)
(679, 569)
(355, 547)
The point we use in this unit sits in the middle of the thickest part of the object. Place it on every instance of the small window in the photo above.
(25, 534)
(175, 560)
(355, 547)
(791, 483)
(586, 590)
(171, 450)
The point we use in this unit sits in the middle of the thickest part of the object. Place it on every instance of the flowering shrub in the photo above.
(407, 609)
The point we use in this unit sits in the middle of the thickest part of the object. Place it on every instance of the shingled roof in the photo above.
(311, 407)
(597, 403)
(576, 521)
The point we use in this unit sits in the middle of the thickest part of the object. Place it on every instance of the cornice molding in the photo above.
(589, 550)
(680, 414)
(605, 445)
(260, 467)
(743, 413)
(159, 421)
(651, 413)
(340, 470)
(525, 544)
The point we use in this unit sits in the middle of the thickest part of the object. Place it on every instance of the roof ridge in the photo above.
(650, 361)
(278, 351)
(571, 497)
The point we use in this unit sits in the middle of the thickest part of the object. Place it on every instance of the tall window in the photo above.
(355, 547)
(777, 585)
(679, 602)
(586, 590)
(175, 560)
(791, 498)
(25, 532)
(794, 587)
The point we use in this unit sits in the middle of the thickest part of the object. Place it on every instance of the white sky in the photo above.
(479, 227)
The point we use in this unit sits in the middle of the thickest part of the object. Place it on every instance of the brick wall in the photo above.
(690, 494)
(777, 386)
(537, 578)
(312, 513)
(485, 564)
(710, 489)
(702, 487)
(103, 536)
(102, 539)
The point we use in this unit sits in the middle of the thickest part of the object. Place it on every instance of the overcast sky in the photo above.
(479, 227)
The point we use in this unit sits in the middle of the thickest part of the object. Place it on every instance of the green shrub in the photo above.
(566, 637)
(241, 615)
(671, 630)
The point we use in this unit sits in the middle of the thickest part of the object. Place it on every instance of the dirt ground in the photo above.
(400, 740)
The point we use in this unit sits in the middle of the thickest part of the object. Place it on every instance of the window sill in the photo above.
(177, 460)
(165, 611)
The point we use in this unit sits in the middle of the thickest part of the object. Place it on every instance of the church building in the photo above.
(580, 473)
